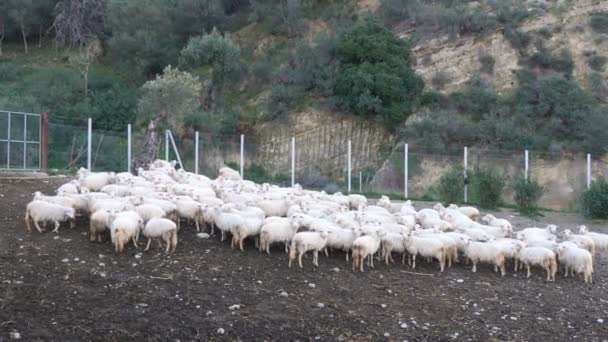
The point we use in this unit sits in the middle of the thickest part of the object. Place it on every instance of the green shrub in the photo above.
(559, 62)
(439, 80)
(597, 62)
(451, 186)
(9, 71)
(599, 22)
(594, 201)
(487, 63)
(519, 40)
(375, 76)
(486, 187)
(527, 193)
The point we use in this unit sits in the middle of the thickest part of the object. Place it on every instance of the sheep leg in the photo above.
(134, 242)
(198, 227)
(56, 230)
(300, 254)
(386, 256)
(474, 266)
(566, 272)
(503, 270)
(315, 259)
(403, 259)
(148, 245)
(441, 264)
(516, 260)
(72, 224)
(528, 269)
(326, 253)
(414, 261)
(241, 242)
(168, 241)
(346, 256)
(222, 239)
(548, 269)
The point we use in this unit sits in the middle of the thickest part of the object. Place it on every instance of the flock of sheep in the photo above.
(158, 200)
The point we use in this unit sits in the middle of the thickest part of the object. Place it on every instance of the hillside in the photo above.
(505, 75)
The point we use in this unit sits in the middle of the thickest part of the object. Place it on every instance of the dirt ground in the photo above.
(61, 287)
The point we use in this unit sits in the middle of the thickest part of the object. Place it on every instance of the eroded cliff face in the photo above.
(458, 58)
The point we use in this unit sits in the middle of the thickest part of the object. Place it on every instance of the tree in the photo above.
(77, 22)
(3, 22)
(376, 77)
(20, 11)
(142, 34)
(164, 102)
(219, 53)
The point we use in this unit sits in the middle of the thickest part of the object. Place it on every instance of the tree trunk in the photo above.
(209, 102)
(1, 36)
(40, 36)
(151, 146)
(24, 37)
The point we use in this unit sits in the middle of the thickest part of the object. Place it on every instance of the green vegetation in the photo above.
(527, 194)
(375, 76)
(487, 185)
(597, 62)
(594, 201)
(599, 22)
(451, 186)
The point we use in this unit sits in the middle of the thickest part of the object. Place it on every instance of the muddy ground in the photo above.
(61, 287)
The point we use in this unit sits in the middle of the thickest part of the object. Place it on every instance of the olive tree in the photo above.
(163, 103)
(218, 52)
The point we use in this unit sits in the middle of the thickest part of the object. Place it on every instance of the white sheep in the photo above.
(97, 180)
(577, 260)
(60, 200)
(476, 234)
(582, 240)
(253, 220)
(274, 207)
(189, 210)
(228, 173)
(226, 220)
(470, 212)
(125, 227)
(539, 256)
(365, 247)
(149, 211)
(356, 201)
(99, 222)
(303, 242)
(116, 190)
(40, 211)
(70, 188)
(510, 249)
(163, 229)
(600, 240)
(491, 220)
(485, 252)
(278, 229)
(427, 247)
(430, 221)
(535, 233)
(393, 243)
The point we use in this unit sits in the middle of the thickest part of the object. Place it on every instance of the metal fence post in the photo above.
(466, 156)
(293, 161)
(588, 170)
(349, 165)
(166, 145)
(405, 170)
(360, 182)
(129, 148)
(44, 142)
(89, 138)
(196, 152)
(526, 165)
(242, 153)
(24, 141)
(8, 143)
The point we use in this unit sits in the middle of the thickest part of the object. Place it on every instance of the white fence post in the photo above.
(167, 145)
(349, 165)
(405, 170)
(179, 159)
(526, 165)
(129, 148)
(466, 156)
(89, 137)
(293, 161)
(360, 182)
(242, 153)
(196, 152)
(588, 170)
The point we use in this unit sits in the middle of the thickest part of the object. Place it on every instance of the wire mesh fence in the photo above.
(318, 159)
